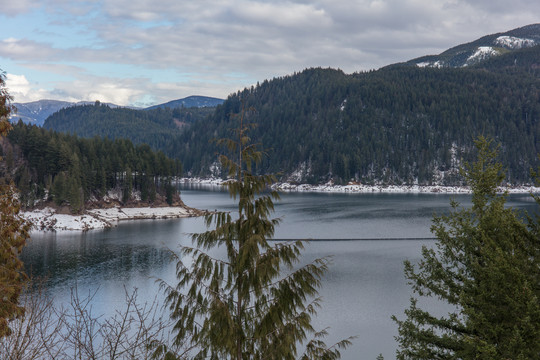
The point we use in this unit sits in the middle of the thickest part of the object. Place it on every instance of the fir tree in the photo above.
(13, 235)
(244, 306)
(486, 265)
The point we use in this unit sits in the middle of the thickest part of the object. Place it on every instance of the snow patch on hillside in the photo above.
(342, 106)
(303, 171)
(433, 64)
(511, 42)
(482, 53)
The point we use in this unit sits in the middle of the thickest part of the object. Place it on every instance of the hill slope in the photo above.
(36, 112)
(155, 127)
(397, 125)
(484, 48)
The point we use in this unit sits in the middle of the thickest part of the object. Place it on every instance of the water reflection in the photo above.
(363, 288)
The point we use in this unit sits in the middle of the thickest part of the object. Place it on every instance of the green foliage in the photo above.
(487, 266)
(243, 305)
(14, 231)
(157, 127)
(13, 235)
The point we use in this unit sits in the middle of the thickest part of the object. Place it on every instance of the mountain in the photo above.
(484, 48)
(36, 112)
(401, 124)
(189, 102)
(156, 127)
(397, 125)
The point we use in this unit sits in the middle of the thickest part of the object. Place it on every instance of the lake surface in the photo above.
(368, 235)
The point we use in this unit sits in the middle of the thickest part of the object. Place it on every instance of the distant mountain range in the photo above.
(36, 112)
(484, 48)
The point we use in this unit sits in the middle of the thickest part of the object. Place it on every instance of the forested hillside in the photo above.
(156, 127)
(400, 124)
(71, 171)
(487, 47)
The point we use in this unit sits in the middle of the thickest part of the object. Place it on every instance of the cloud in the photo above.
(22, 90)
(258, 39)
(137, 91)
(12, 8)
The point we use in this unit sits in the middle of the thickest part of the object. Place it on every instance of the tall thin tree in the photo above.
(13, 234)
(256, 301)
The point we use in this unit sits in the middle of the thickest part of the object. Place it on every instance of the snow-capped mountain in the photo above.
(36, 112)
(513, 43)
(483, 48)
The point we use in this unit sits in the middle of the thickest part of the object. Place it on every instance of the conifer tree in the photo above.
(127, 186)
(486, 265)
(256, 301)
(13, 235)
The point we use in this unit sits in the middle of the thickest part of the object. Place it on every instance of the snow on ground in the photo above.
(482, 53)
(512, 42)
(118, 214)
(359, 188)
(436, 64)
(48, 219)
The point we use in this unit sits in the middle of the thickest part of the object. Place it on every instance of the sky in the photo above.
(142, 53)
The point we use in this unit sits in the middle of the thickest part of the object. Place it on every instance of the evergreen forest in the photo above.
(398, 125)
(154, 127)
(72, 171)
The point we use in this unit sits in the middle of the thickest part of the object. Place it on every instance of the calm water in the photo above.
(364, 287)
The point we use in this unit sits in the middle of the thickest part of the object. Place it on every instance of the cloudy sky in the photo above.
(140, 53)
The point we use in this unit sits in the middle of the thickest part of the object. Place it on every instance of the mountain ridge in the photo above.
(36, 112)
(190, 101)
(483, 48)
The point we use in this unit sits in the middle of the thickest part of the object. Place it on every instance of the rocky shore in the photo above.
(49, 219)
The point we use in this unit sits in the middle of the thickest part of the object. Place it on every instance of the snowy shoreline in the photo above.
(48, 219)
(359, 188)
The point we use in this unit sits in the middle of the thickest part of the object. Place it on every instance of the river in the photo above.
(368, 235)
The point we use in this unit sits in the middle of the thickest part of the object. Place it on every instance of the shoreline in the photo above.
(365, 189)
(47, 219)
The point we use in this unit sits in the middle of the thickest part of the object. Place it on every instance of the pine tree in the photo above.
(169, 191)
(244, 306)
(486, 265)
(127, 185)
(13, 235)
